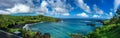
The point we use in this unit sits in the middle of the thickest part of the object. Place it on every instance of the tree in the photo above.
(118, 13)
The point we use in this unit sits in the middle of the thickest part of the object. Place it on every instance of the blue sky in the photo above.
(61, 8)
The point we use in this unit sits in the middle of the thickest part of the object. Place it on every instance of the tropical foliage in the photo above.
(15, 23)
(7, 21)
(111, 29)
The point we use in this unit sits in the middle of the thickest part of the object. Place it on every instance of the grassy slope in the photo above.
(115, 33)
(111, 29)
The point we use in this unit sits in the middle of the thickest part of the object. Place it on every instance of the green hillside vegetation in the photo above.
(7, 20)
(111, 28)
(12, 24)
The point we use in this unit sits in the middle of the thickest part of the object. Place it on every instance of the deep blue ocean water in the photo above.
(65, 27)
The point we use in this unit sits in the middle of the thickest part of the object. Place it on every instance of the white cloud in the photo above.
(98, 10)
(42, 9)
(44, 4)
(9, 3)
(60, 10)
(82, 14)
(4, 12)
(111, 14)
(59, 7)
(26, 6)
(84, 6)
(66, 14)
(116, 5)
(19, 8)
(96, 16)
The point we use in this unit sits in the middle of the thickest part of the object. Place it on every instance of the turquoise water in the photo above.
(64, 28)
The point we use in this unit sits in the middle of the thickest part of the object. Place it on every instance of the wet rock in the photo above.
(46, 35)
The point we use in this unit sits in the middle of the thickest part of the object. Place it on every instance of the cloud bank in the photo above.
(19, 8)
(52, 7)
(82, 14)
(84, 6)
(26, 6)
(116, 4)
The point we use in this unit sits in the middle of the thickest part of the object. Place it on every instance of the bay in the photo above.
(65, 27)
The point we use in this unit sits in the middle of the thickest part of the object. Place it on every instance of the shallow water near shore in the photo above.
(65, 27)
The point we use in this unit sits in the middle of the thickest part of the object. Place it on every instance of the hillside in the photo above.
(111, 28)
(14, 24)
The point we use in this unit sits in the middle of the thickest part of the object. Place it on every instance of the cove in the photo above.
(65, 27)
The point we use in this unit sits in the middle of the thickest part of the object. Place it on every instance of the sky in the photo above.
(61, 8)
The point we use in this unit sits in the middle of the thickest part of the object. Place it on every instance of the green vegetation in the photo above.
(7, 21)
(111, 28)
(76, 35)
(30, 34)
(15, 23)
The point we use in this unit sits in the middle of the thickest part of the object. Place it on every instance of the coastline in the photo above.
(26, 26)
(15, 24)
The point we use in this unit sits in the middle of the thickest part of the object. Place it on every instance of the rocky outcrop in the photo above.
(4, 34)
(46, 35)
